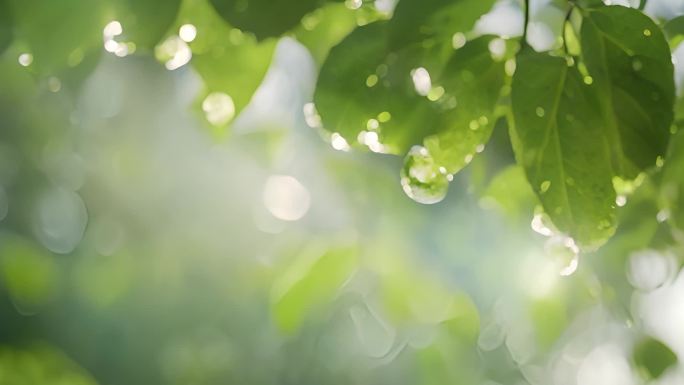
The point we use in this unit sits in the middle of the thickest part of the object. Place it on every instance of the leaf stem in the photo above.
(565, 23)
(525, 23)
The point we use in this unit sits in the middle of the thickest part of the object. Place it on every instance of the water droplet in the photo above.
(458, 40)
(375, 336)
(54, 84)
(541, 224)
(510, 67)
(60, 220)
(372, 124)
(187, 32)
(479, 148)
(637, 65)
(468, 158)
(649, 269)
(173, 52)
(647, 32)
(371, 80)
(588, 80)
(564, 252)
(384, 117)
(540, 112)
(421, 179)
(435, 93)
(474, 125)
(570, 181)
(421, 81)
(25, 59)
(483, 120)
(338, 142)
(311, 116)
(660, 161)
(544, 187)
(497, 48)
(663, 215)
(218, 108)
(372, 140)
(620, 200)
(286, 198)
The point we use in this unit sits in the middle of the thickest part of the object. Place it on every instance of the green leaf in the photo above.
(325, 28)
(474, 79)
(510, 193)
(629, 61)
(6, 25)
(144, 22)
(311, 281)
(408, 95)
(59, 34)
(654, 357)
(434, 21)
(674, 30)
(558, 139)
(29, 275)
(265, 18)
(228, 60)
(672, 189)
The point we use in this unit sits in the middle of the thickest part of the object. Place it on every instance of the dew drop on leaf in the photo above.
(545, 185)
(421, 177)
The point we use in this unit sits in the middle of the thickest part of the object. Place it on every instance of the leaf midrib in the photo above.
(553, 123)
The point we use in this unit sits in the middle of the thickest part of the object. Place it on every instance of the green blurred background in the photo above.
(170, 213)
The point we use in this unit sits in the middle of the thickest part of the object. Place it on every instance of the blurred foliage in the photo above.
(170, 213)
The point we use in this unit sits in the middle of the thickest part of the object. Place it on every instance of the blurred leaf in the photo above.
(227, 60)
(654, 357)
(674, 30)
(415, 21)
(40, 365)
(59, 34)
(144, 22)
(29, 274)
(672, 190)
(555, 117)
(550, 320)
(265, 18)
(6, 25)
(629, 60)
(509, 192)
(308, 283)
(325, 27)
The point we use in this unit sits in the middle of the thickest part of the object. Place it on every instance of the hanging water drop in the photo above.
(421, 178)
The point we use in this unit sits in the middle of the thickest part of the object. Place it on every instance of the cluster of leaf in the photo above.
(584, 119)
